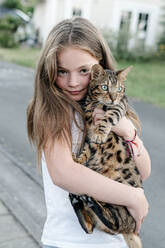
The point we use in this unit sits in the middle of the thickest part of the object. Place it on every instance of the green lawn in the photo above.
(22, 56)
(146, 81)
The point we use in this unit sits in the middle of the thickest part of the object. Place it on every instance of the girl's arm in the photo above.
(126, 129)
(78, 179)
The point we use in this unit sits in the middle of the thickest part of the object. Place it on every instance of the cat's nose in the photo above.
(113, 97)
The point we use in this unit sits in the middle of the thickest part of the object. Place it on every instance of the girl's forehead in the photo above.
(73, 57)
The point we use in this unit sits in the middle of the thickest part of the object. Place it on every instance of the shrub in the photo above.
(118, 43)
(8, 27)
(12, 4)
(7, 39)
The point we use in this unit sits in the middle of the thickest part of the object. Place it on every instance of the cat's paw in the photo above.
(74, 157)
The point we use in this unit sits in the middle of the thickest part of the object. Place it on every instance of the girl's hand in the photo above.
(139, 208)
(124, 128)
(98, 114)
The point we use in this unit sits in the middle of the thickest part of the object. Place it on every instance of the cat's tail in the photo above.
(132, 240)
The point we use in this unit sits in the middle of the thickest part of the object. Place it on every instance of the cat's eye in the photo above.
(104, 87)
(119, 89)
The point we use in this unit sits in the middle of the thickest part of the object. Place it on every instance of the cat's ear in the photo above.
(97, 71)
(122, 74)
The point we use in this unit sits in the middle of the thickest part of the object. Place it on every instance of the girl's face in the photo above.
(73, 71)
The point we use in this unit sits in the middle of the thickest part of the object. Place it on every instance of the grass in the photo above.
(146, 81)
(21, 56)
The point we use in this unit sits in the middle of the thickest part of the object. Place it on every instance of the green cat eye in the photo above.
(104, 87)
(119, 89)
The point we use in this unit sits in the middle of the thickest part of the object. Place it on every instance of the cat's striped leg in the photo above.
(112, 116)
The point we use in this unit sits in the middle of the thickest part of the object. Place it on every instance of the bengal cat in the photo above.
(107, 153)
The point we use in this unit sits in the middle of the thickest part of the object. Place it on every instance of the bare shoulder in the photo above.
(57, 155)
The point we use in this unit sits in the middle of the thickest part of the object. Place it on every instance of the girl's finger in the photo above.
(97, 111)
(97, 118)
(97, 122)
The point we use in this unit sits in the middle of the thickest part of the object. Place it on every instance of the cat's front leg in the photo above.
(99, 133)
(113, 114)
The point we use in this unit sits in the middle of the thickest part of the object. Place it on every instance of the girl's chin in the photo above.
(77, 97)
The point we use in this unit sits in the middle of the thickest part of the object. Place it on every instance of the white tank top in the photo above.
(62, 228)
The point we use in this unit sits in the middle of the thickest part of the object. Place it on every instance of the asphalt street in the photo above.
(17, 158)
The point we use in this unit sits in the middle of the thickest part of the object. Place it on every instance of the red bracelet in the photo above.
(129, 149)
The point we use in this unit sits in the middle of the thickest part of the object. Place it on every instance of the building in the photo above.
(140, 17)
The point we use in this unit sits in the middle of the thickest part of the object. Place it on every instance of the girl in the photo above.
(55, 124)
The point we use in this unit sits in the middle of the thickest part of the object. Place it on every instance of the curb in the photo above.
(22, 193)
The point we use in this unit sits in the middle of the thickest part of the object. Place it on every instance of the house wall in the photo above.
(135, 7)
(102, 13)
(45, 16)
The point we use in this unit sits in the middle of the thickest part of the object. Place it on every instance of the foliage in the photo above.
(28, 7)
(8, 27)
(7, 40)
(12, 4)
(118, 43)
(9, 23)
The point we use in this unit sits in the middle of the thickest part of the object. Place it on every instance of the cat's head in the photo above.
(107, 86)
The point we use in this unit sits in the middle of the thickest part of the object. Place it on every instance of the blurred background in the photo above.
(135, 32)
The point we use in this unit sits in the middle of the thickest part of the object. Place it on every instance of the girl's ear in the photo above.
(97, 71)
(122, 74)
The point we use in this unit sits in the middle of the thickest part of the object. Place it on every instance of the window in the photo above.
(142, 26)
(76, 12)
(142, 21)
(125, 20)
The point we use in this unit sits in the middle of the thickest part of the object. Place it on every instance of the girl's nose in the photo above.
(72, 80)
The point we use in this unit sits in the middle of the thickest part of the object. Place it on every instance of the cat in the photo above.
(108, 154)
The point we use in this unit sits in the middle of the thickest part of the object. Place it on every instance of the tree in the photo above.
(12, 4)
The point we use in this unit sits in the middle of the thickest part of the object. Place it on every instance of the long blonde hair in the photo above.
(48, 113)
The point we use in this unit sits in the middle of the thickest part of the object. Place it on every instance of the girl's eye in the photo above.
(119, 89)
(104, 87)
(61, 72)
(84, 71)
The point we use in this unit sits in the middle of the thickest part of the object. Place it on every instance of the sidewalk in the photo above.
(12, 233)
(22, 207)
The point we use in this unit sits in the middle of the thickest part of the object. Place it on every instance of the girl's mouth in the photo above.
(75, 92)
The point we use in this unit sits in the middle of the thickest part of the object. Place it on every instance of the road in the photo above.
(16, 87)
